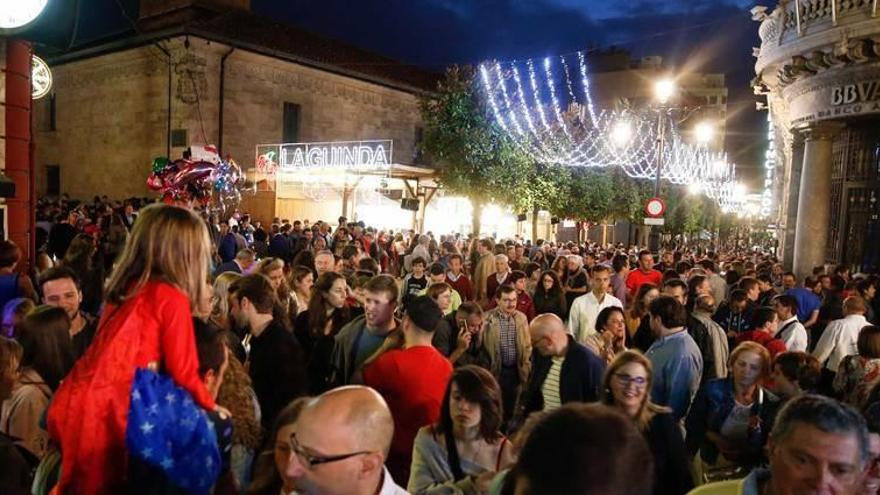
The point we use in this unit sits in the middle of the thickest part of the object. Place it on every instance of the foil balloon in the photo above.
(159, 164)
(215, 183)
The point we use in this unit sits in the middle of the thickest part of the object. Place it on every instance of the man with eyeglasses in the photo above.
(339, 445)
(506, 337)
(564, 370)
(817, 445)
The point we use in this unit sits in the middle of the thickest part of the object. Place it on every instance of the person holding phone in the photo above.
(467, 325)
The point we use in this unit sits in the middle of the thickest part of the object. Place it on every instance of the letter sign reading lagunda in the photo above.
(341, 155)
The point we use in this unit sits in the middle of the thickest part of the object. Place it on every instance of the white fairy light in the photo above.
(600, 138)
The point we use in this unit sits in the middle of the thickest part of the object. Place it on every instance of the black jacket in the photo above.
(700, 334)
(277, 369)
(672, 472)
(580, 379)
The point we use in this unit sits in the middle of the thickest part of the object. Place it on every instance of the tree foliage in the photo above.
(477, 159)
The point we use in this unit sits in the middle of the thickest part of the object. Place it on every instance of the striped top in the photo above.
(550, 388)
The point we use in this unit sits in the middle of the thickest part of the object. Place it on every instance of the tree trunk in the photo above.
(476, 214)
(534, 224)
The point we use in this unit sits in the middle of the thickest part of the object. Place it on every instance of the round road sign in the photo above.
(655, 208)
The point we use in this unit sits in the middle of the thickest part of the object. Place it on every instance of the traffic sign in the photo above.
(654, 221)
(655, 208)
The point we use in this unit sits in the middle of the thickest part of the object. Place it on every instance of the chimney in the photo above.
(159, 14)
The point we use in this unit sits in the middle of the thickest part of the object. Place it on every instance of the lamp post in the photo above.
(663, 91)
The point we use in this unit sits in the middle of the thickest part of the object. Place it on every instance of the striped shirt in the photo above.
(550, 387)
(507, 337)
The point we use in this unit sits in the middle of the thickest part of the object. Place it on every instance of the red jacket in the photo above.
(637, 278)
(413, 382)
(88, 414)
(771, 343)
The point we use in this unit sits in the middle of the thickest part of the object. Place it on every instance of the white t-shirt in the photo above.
(793, 334)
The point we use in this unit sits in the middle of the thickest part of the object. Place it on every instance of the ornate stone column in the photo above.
(790, 189)
(814, 197)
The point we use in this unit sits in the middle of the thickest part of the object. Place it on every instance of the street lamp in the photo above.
(704, 132)
(664, 89)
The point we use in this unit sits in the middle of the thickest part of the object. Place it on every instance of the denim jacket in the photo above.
(710, 409)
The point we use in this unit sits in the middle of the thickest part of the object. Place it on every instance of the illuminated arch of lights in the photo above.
(546, 104)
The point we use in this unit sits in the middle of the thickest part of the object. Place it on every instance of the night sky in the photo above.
(702, 35)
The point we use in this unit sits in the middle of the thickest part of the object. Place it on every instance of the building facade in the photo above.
(819, 67)
(198, 73)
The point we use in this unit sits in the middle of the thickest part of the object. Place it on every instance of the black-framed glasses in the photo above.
(310, 461)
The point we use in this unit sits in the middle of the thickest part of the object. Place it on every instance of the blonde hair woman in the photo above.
(627, 386)
(160, 278)
(273, 269)
(220, 299)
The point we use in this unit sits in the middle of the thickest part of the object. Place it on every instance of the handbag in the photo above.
(167, 430)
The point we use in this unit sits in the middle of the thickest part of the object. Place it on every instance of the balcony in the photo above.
(814, 29)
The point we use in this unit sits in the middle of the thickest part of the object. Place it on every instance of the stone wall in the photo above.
(112, 112)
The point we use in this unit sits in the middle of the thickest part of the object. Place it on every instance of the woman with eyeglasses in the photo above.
(465, 449)
(626, 387)
(549, 296)
(316, 327)
(730, 418)
(269, 477)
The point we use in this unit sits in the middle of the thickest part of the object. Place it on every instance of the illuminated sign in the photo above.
(41, 78)
(17, 13)
(341, 155)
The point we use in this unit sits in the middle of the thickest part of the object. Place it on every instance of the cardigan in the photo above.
(580, 379)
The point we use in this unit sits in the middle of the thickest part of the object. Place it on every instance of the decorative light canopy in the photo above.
(547, 105)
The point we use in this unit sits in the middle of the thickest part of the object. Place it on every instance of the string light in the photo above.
(584, 136)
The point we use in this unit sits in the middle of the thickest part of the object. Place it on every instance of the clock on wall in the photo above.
(41, 78)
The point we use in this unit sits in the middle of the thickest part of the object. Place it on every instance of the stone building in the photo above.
(819, 67)
(211, 72)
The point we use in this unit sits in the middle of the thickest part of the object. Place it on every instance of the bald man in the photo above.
(563, 371)
(339, 445)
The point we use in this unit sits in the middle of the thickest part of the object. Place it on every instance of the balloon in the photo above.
(159, 164)
(217, 186)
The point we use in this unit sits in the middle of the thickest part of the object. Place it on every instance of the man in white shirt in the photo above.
(791, 331)
(840, 338)
(585, 309)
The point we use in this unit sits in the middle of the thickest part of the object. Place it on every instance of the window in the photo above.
(52, 112)
(290, 123)
(178, 138)
(53, 180)
(418, 154)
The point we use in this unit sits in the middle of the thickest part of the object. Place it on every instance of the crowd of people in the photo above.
(156, 349)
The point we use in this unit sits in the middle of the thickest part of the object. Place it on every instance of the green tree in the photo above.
(474, 157)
